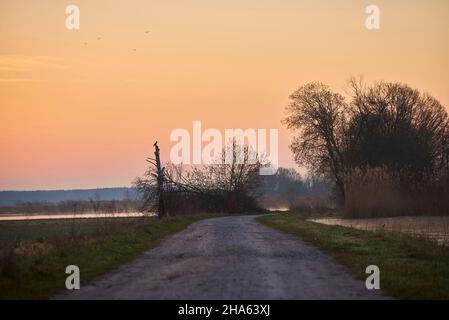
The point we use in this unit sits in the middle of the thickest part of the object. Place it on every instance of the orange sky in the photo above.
(85, 115)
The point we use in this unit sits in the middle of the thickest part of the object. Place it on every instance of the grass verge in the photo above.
(38, 271)
(409, 268)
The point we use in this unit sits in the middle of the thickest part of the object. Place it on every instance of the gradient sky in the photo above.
(76, 115)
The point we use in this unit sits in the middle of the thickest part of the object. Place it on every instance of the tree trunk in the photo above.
(160, 182)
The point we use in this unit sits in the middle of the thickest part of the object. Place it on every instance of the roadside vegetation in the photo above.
(409, 268)
(34, 254)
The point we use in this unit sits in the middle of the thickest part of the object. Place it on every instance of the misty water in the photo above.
(434, 228)
(46, 216)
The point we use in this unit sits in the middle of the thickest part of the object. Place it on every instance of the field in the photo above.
(42, 230)
(410, 268)
(34, 254)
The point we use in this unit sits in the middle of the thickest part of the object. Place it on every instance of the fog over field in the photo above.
(10, 198)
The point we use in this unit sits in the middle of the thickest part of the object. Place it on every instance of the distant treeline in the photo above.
(287, 189)
(11, 198)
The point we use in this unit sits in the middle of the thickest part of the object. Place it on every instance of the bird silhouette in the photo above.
(147, 31)
(99, 38)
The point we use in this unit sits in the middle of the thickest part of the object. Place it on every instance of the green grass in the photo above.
(13, 231)
(39, 274)
(409, 268)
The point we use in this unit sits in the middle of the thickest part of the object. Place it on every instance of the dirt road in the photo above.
(228, 258)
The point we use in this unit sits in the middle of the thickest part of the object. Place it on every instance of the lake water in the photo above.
(46, 216)
(431, 228)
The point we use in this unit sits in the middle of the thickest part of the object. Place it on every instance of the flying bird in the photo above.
(147, 31)
(99, 38)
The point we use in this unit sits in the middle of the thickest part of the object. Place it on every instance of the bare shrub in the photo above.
(227, 185)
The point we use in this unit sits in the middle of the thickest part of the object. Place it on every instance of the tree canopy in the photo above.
(384, 125)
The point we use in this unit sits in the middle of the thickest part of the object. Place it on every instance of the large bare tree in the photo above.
(384, 125)
(227, 185)
(320, 117)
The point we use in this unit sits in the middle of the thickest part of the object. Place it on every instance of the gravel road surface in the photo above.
(228, 258)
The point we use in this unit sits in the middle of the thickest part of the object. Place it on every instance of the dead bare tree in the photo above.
(224, 186)
(383, 125)
(152, 185)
